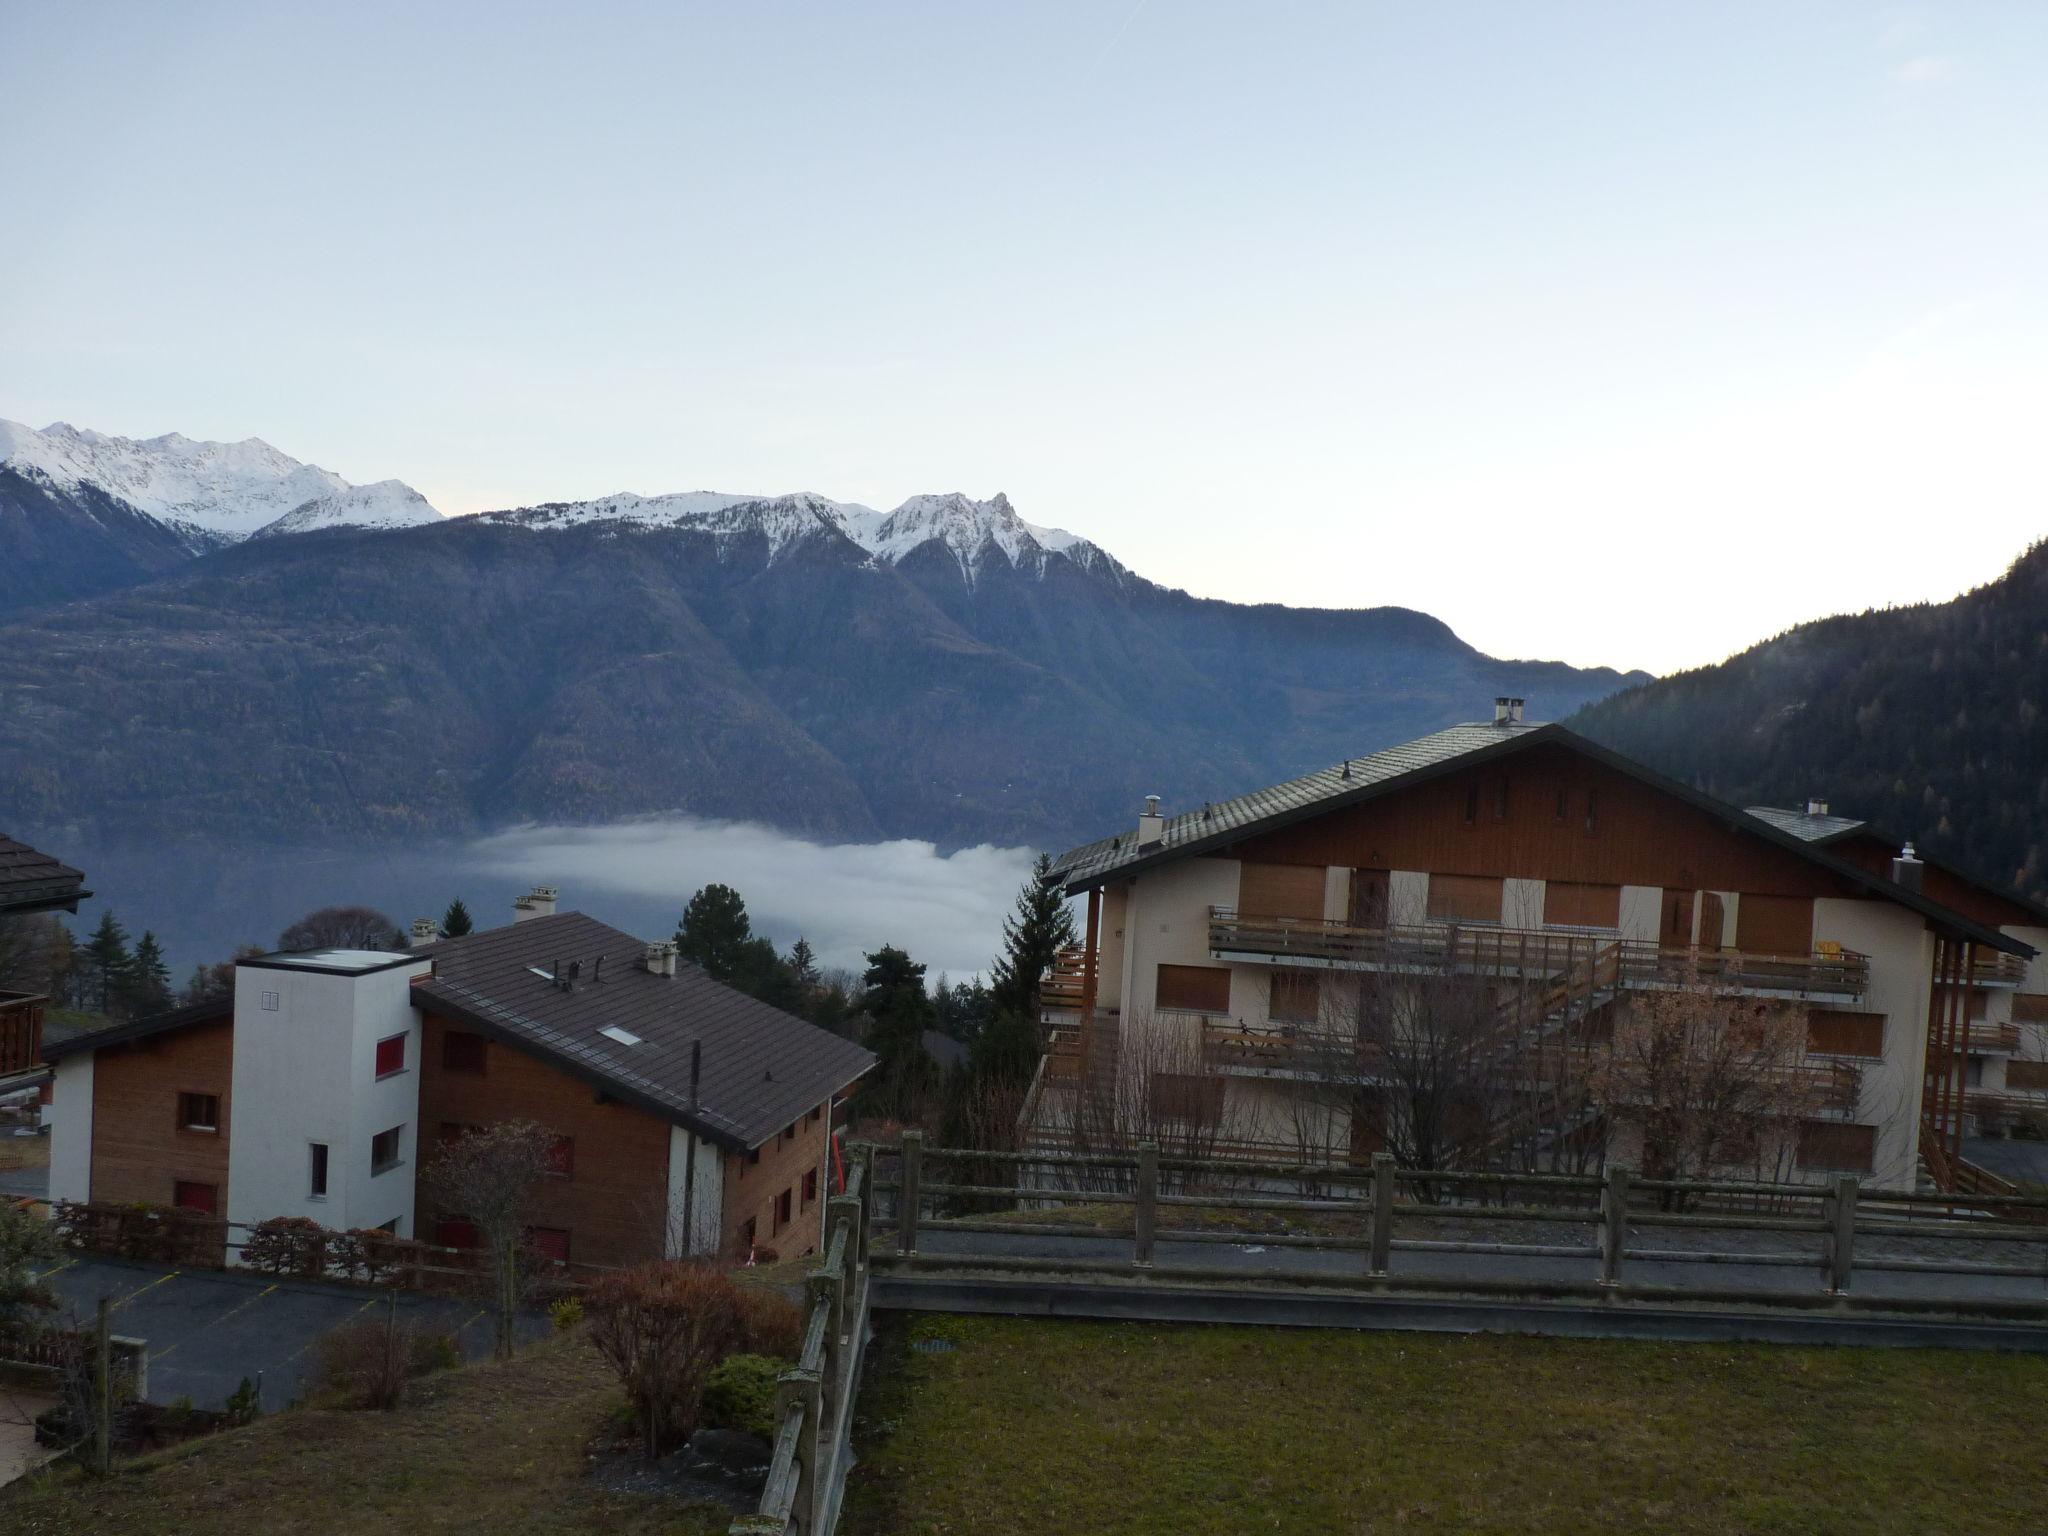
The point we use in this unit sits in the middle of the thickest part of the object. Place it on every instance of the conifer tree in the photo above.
(147, 987)
(106, 963)
(1006, 1049)
(899, 1012)
(456, 921)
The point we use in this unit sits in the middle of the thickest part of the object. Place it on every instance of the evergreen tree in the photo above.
(963, 1007)
(803, 965)
(106, 963)
(898, 1013)
(455, 922)
(717, 935)
(147, 986)
(1006, 1051)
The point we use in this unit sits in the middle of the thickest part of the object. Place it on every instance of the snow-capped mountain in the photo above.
(384, 504)
(970, 531)
(212, 493)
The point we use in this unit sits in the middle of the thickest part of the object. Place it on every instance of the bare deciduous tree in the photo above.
(488, 1178)
(342, 928)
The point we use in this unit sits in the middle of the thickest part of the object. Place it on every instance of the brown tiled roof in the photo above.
(762, 1068)
(60, 1041)
(35, 882)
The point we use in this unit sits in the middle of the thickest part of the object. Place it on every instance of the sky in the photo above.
(1618, 333)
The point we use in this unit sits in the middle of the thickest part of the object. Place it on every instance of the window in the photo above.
(1840, 1032)
(1471, 804)
(1564, 806)
(384, 1149)
(1837, 1147)
(316, 1183)
(1567, 904)
(1774, 925)
(562, 1157)
(194, 1197)
(753, 1160)
(549, 1243)
(789, 1131)
(1464, 898)
(2027, 1076)
(454, 1232)
(462, 1051)
(810, 1188)
(390, 1055)
(199, 1111)
(747, 1236)
(1281, 890)
(812, 1117)
(2029, 1008)
(1185, 1096)
(1500, 801)
(270, 1002)
(1592, 810)
(781, 1211)
(1199, 988)
(1297, 997)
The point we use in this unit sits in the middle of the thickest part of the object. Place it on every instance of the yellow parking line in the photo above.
(231, 1311)
(374, 1301)
(159, 1280)
(58, 1270)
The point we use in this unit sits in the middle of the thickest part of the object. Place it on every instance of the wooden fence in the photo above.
(814, 1401)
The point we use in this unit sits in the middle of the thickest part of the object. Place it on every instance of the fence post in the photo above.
(826, 1289)
(102, 1394)
(803, 1386)
(1146, 1211)
(1842, 1234)
(1613, 1223)
(844, 1210)
(1382, 1210)
(906, 1218)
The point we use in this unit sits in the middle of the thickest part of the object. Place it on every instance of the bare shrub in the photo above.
(489, 1178)
(366, 1363)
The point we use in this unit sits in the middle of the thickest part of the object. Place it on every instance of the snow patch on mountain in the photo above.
(213, 493)
(384, 504)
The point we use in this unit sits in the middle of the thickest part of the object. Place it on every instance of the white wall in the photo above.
(1521, 903)
(1642, 912)
(71, 1136)
(305, 1072)
(1407, 898)
(1901, 952)
(697, 1232)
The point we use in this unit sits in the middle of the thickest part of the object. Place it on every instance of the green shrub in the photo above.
(566, 1314)
(739, 1393)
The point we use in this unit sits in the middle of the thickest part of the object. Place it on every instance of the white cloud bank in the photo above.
(846, 898)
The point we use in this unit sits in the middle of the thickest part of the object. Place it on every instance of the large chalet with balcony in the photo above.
(688, 1118)
(1234, 953)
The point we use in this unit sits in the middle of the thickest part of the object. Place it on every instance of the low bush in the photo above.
(287, 1245)
(739, 1393)
(769, 1324)
(367, 1363)
(566, 1314)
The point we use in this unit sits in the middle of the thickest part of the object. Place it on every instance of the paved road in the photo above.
(1252, 1257)
(2024, 1160)
(207, 1329)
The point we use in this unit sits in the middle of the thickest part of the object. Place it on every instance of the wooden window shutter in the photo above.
(1464, 898)
(1199, 988)
(1836, 1146)
(1842, 1032)
(2030, 1008)
(1297, 997)
(2027, 1076)
(1281, 890)
(1184, 1096)
(1567, 904)
(1774, 925)
(187, 1196)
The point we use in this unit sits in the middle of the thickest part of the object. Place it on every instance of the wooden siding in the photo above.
(140, 1150)
(1774, 925)
(1199, 988)
(1837, 1147)
(1984, 903)
(1281, 890)
(753, 1191)
(1842, 1032)
(614, 1203)
(1640, 835)
(1577, 904)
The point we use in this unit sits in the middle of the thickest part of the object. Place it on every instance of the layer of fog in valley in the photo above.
(945, 909)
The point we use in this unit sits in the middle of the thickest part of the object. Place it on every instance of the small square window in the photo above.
(199, 1111)
(384, 1149)
(391, 1056)
(270, 1002)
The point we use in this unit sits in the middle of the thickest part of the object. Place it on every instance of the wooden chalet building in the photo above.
(30, 882)
(690, 1119)
(1229, 950)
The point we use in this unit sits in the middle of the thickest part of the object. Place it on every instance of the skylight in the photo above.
(624, 1037)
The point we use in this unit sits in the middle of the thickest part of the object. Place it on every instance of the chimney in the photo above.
(661, 958)
(1907, 870)
(1816, 807)
(1507, 711)
(1151, 825)
(539, 902)
(424, 932)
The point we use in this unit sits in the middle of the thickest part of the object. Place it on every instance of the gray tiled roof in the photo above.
(35, 882)
(762, 1068)
(1812, 829)
(1355, 777)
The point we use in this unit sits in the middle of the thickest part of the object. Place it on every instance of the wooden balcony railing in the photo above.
(21, 1031)
(1986, 1037)
(1994, 968)
(1837, 975)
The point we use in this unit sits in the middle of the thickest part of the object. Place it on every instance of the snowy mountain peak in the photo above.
(213, 493)
(383, 504)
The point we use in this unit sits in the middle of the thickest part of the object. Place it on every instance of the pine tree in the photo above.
(455, 922)
(803, 965)
(899, 1012)
(106, 963)
(1006, 1050)
(147, 986)
(715, 932)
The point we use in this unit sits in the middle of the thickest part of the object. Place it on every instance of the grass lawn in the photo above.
(1076, 1427)
(491, 1448)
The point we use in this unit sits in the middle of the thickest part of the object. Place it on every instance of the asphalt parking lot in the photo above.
(207, 1329)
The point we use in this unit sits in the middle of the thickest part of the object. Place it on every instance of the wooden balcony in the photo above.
(1995, 968)
(1281, 1049)
(21, 1031)
(1484, 950)
(1988, 1039)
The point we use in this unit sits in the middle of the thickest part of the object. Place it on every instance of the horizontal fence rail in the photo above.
(1395, 1218)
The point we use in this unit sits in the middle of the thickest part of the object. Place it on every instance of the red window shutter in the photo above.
(562, 1157)
(391, 1055)
(550, 1243)
(453, 1232)
(193, 1197)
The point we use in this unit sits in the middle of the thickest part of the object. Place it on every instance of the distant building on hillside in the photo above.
(1462, 927)
(689, 1118)
(31, 882)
